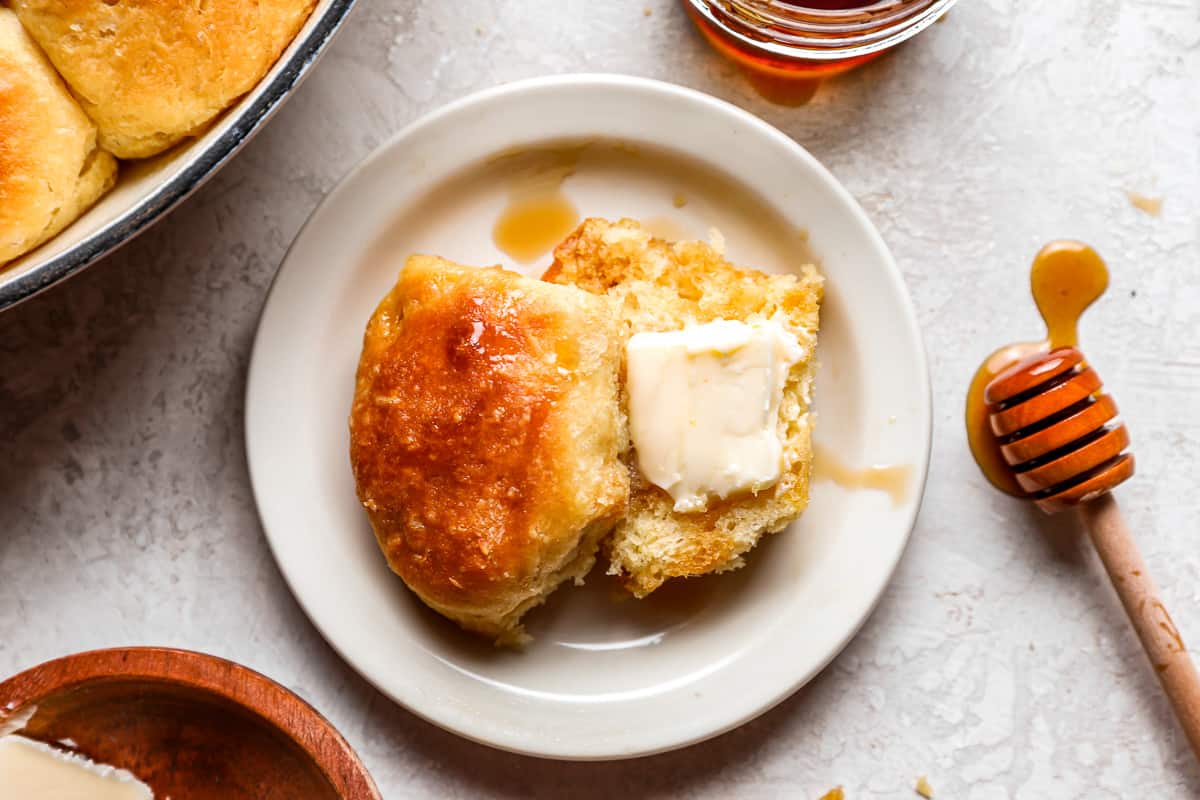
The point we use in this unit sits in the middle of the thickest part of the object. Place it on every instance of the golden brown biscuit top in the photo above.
(452, 426)
(151, 71)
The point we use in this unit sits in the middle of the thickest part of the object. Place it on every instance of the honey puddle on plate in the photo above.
(894, 479)
(539, 215)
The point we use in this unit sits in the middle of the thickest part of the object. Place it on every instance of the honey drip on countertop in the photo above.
(538, 215)
(783, 90)
(1065, 279)
(892, 479)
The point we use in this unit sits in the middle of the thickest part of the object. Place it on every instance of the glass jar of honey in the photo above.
(791, 44)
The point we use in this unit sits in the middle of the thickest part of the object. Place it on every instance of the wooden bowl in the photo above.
(189, 725)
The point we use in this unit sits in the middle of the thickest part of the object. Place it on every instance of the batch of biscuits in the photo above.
(89, 85)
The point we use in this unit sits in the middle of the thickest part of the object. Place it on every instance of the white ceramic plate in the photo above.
(606, 677)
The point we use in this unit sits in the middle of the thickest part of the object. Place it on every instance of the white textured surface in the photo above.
(999, 662)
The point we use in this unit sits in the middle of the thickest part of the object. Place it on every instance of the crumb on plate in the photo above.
(1145, 203)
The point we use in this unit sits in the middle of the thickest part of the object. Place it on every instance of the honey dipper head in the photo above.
(1056, 429)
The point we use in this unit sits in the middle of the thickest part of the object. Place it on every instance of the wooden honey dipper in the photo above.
(1041, 428)
(1057, 432)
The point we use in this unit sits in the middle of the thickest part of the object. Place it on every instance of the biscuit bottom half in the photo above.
(662, 286)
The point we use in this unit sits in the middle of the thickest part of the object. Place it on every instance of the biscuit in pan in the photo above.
(51, 170)
(151, 72)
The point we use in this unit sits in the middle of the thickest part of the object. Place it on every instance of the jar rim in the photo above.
(820, 34)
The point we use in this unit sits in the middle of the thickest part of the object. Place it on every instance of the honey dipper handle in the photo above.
(1160, 638)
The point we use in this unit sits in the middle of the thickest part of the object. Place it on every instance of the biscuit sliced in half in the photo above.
(485, 436)
(150, 72)
(663, 286)
(51, 170)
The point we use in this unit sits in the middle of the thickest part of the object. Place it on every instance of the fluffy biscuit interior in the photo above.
(662, 286)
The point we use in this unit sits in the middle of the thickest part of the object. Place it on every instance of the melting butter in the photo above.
(32, 770)
(704, 407)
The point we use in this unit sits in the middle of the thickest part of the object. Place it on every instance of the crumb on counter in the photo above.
(923, 788)
(646, 12)
(835, 793)
(1145, 203)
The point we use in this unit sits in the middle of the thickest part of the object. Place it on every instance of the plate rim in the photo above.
(923, 384)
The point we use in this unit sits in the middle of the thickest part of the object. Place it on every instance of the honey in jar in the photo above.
(786, 47)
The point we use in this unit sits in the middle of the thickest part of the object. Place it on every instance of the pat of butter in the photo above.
(704, 407)
(31, 770)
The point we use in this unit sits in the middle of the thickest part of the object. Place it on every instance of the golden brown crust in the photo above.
(50, 170)
(661, 286)
(484, 436)
(150, 72)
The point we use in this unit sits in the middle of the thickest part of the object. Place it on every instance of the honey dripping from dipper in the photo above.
(1042, 428)
(1065, 279)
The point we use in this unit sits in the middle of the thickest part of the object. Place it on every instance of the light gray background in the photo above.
(998, 662)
